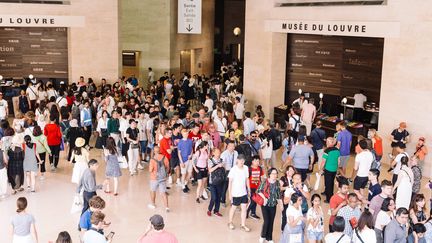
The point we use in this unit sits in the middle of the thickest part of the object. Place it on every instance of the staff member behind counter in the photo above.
(359, 100)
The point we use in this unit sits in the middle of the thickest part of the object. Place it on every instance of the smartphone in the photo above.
(110, 235)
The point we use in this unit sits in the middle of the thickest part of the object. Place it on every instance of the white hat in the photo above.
(79, 142)
(73, 123)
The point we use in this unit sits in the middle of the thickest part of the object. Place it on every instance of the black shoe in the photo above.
(254, 216)
(185, 190)
(323, 193)
(197, 200)
(203, 198)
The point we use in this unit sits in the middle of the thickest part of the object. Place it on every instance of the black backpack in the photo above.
(218, 176)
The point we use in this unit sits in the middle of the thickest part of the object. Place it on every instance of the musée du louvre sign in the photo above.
(41, 21)
(341, 28)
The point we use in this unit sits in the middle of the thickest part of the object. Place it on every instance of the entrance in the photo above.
(131, 64)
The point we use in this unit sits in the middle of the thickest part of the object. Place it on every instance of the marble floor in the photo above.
(128, 212)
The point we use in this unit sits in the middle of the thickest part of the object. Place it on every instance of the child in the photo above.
(255, 174)
(97, 204)
(184, 148)
(31, 158)
(374, 186)
(315, 220)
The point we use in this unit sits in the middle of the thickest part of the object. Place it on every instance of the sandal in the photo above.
(108, 192)
(246, 229)
(116, 194)
(231, 226)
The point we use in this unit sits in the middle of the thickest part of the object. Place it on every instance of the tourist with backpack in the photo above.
(158, 167)
(216, 168)
(294, 124)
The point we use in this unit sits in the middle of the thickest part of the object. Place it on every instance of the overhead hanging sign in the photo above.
(41, 21)
(341, 28)
(189, 17)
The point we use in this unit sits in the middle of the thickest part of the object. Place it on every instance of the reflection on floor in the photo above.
(128, 211)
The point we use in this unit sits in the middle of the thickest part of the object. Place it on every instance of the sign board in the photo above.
(189, 17)
(41, 21)
(340, 28)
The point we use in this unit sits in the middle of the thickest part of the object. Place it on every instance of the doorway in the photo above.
(131, 63)
(185, 61)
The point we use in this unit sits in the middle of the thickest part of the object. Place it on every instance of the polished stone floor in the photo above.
(128, 212)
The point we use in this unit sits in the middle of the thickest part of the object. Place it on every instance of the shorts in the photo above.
(143, 146)
(360, 182)
(202, 173)
(344, 161)
(240, 200)
(312, 235)
(158, 186)
(187, 168)
(174, 162)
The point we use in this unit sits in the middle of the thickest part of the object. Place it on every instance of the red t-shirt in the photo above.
(255, 177)
(53, 134)
(335, 201)
(165, 144)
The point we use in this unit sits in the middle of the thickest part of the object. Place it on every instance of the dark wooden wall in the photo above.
(333, 65)
(42, 52)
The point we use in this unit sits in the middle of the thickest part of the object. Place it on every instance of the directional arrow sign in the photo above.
(189, 17)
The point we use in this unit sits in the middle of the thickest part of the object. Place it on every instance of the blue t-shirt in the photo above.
(318, 136)
(185, 147)
(85, 220)
(301, 156)
(345, 138)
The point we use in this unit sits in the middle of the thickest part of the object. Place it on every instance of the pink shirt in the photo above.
(158, 237)
(308, 112)
(202, 158)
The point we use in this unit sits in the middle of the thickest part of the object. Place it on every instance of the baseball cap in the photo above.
(156, 220)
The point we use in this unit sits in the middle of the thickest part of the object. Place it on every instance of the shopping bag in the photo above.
(123, 162)
(77, 204)
(317, 181)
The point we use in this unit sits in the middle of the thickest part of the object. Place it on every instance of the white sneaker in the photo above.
(270, 241)
(151, 206)
(205, 194)
(261, 240)
(170, 180)
(167, 210)
(179, 183)
(140, 167)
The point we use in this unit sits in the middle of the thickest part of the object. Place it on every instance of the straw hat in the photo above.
(79, 142)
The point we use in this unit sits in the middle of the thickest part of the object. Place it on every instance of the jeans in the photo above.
(225, 188)
(86, 198)
(42, 163)
(252, 205)
(55, 154)
(216, 193)
(329, 178)
(268, 214)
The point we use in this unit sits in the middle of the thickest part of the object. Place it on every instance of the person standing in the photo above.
(395, 231)
(229, 156)
(404, 185)
(150, 77)
(351, 213)
(216, 168)
(23, 224)
(238, 110)
(112, 165)
(80, 158)
(302, 157)
(102, 129)
(293, 231)
(376, 203)
(185, 155)
(365, 229)
(269, 190)
(23, 102)
(363, 162)
(255, 175)
(239, 191)
(31, 92)
(338, 200)
(166, 147)
(113, 126)
(158, 167)
(74, 132)
(54, 139)
(4, 110)
(248, 124)
(383, 218)
(399, 138)
(308, 115)
(86, 122)
(133, 153)
(315, 220)
(337, 235)
(421, 151)
(359, 100)
(31, 161)
(330, 165)
(200, 164)
(15, 164)
(155, 232)
(42, 148)
(344, 140)
(88, 184)
(318, 140)
(3, 174)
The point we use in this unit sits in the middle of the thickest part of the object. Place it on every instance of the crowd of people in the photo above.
(195, 132)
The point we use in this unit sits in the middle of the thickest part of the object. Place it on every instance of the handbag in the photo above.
(317, 181)
(62, 145)
(258, 199)
(77, 204)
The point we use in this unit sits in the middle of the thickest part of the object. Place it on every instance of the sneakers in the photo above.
(261, 240)
(244, 228)
(178, 183)
(209, 213)
(185, 190)
(205, 195)
(52, 168)
(254, 216)
(167, 210)
(151, 206)
(203, 198)
(231, 226)
(140, 167)
(218, 214)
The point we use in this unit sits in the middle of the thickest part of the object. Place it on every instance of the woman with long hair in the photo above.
(23, 224)
(42, 148)
(315, 220)
(54, 137)
(404, 185)
(418, 210)
(364, 231)
(15, 163)
(81, 157)
(112, 165)
(63, 237)
(385, 215)
(286, 180)
(200, 166)
(31, 161)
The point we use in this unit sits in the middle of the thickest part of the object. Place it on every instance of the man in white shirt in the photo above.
(151, 76)
(61, 100)
(363, 162)
(208, 103)
(359, 100)
(238, 110)
(239, 191)
(31, 92)
(248, 124)
(4, 112)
